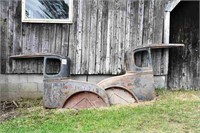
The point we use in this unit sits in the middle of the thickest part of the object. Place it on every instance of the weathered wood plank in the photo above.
(9, 46)
(4, 34)
(45, 39)
(118, 35)
(29, 65)
(73, 38)
(99, 37)
(79, 38)
(166, 27)
(129, 12)
(52, 37)
(29, 40)
(34, 39)
(151, 20)
(140, 23)
(109, 47)
(122, 37)
(146, 22)
(1, 21)
(157, 38)
(114, 38)
(58, 42)
(85, 36)
(93, 36)
(139, 19)
(134, 28)
(65, 39)
(166, 39)
(1, 30)
(158, 21)
(105, 33)
(17, 28)
(28, 45)
(134, 25)
(147, 30)
(117, 40)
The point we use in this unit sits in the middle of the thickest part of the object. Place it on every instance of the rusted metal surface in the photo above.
(137, 80)
(64, 67)
(157, 46)
(84, 100)
(117, 95)
(62, 92)
(35, 55)
(140, 84)
(64, 63)
(58, 92)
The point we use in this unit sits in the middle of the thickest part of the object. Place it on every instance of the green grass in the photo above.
(177, 111)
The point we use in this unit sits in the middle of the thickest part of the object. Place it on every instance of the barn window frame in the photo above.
(47, 20)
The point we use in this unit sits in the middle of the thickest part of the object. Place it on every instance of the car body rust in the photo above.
(137, 84)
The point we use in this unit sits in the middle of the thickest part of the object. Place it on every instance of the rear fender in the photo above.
(140, 84)
(127, 90)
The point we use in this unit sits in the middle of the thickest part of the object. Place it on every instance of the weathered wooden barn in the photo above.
(96, 40)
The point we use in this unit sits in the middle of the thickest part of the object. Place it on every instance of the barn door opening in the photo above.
(184, 64)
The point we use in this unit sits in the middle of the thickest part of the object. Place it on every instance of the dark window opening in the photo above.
(53, 66)
(184, 63)
(141, 59)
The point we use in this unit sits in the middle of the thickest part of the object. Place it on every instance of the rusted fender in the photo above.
(140, 84)
(57, 92)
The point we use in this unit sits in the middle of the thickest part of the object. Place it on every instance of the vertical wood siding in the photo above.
(101, 32)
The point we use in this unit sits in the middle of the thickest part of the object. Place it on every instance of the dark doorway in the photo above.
(184, 64)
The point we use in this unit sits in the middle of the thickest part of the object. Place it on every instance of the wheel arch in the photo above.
(105, 99)
(125, 89)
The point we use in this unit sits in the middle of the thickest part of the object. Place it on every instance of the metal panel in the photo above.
(84, 100)
(117, 95)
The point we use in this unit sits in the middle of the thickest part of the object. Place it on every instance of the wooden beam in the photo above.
(171, 5)
(166, 27)
(166, 37)
(1, 21)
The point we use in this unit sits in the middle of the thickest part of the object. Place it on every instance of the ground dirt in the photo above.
(8, 109)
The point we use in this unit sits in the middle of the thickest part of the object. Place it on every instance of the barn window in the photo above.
(47, 11)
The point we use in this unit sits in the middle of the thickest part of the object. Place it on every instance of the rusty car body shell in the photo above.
(138, 81)
(59, 88)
